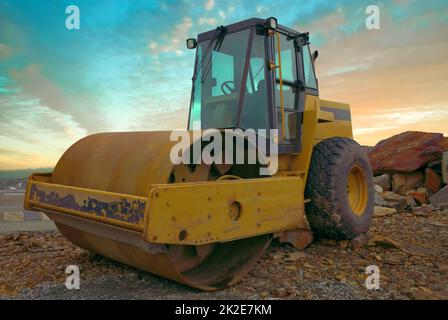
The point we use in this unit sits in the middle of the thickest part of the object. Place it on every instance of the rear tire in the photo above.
(340, 188)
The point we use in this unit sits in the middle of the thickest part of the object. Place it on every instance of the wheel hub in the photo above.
(357, 190)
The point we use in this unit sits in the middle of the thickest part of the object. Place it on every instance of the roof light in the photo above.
(271, 23)
(191, 43)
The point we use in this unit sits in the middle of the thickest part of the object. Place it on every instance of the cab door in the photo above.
(286, 80)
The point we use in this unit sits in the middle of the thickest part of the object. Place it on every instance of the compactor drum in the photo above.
(205, 224)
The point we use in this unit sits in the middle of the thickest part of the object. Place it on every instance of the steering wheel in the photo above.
(226, 84)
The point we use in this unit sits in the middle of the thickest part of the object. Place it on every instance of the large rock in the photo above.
(384, 181)
(299, 238)
(444, 167)
(440, 197)
(394, 200)
(444, 144)
(419, 197)
(383, 211)
(403, 182)
(406, 152)
(379, 201)
(433, 182)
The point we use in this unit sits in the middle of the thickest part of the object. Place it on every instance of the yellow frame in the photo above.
(202, 209)
(200, 212)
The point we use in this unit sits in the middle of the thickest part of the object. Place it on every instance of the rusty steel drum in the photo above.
(130, 163)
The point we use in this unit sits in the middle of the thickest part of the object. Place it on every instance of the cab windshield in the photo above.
(219, 98)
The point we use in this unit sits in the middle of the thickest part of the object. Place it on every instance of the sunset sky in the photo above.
(127, 68)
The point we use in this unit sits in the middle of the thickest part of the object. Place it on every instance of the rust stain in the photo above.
(124, 210)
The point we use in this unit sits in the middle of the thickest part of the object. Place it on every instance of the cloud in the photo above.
(11, 159)
(28, 120)
(33, 84)
(11, 152)
(36, 116)
(209, 4)
(394, 78)
(207, 21)
(410, 116)
(172, 41)
(370, 130)
(347, 69)
(5, 51)
(261, 9)
(32, 135)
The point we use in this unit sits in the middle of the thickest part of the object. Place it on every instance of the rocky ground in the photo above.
(410, 249)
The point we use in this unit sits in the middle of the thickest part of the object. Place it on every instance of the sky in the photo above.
(127, 68)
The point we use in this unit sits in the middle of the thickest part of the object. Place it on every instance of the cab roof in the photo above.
(245, 24)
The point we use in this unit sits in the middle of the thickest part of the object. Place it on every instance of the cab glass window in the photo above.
(254, 114)
(308, 68)
(222, 72)
(219, 77)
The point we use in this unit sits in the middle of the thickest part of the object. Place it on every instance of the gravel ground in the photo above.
(409, 249)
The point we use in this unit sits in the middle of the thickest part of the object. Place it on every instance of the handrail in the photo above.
(279, 66)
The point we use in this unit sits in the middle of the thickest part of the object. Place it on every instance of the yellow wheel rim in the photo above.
(357, 190)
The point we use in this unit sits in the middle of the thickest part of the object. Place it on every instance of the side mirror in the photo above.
(314, 56)
(192, 43)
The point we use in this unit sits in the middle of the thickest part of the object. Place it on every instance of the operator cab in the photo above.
(238, 81)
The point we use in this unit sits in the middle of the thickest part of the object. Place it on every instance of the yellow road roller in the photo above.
(205, 224)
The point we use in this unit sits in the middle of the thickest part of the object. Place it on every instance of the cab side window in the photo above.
(308, 68)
